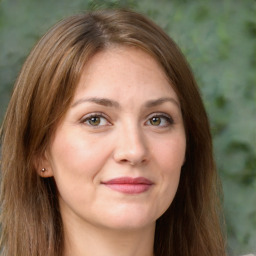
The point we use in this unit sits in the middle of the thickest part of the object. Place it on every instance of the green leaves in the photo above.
(100, 4)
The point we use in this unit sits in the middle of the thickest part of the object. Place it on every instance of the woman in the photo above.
(106, 148)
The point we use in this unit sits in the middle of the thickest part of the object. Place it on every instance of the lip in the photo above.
(129, 185)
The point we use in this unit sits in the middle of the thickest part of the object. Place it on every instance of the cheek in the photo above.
(170, 158)
(76, 161)
(76, 154)
(171, 154)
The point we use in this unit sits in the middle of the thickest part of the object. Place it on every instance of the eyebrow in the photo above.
(112, 103)
(100, 101)
(157, 102)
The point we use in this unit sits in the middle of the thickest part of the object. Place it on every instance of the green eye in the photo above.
(94, 121)
(155, 121)
(160, 120)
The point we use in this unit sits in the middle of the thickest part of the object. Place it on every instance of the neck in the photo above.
(87, 240)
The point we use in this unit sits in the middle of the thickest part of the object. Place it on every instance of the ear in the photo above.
(43, 165)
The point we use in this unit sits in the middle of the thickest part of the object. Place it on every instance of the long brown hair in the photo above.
(30, 218)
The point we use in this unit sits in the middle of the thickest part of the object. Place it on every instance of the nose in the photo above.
(131, 146)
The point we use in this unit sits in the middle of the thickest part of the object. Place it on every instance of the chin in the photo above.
(129, 226)
(129, 220)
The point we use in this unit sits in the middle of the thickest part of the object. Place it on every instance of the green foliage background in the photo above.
(218, 37)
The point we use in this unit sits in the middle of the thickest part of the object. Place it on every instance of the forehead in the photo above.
(117, 71)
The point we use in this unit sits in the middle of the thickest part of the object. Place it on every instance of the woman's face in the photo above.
(116, 156)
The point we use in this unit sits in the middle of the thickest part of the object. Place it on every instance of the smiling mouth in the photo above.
(129, 185)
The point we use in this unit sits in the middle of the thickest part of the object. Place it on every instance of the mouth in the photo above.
(129, 185)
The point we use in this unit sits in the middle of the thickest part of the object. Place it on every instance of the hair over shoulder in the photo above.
(30, 219)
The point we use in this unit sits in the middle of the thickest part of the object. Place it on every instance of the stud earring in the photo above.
(43, 170)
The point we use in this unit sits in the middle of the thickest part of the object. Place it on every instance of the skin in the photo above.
(136, 131)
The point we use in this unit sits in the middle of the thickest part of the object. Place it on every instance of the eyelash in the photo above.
(168, 119)
(89, 117)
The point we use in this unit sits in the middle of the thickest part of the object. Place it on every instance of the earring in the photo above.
(43, 170)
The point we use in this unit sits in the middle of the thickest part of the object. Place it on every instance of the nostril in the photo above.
(131, 159)
(131, 147)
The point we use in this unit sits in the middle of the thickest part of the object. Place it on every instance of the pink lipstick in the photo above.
(129, 185)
